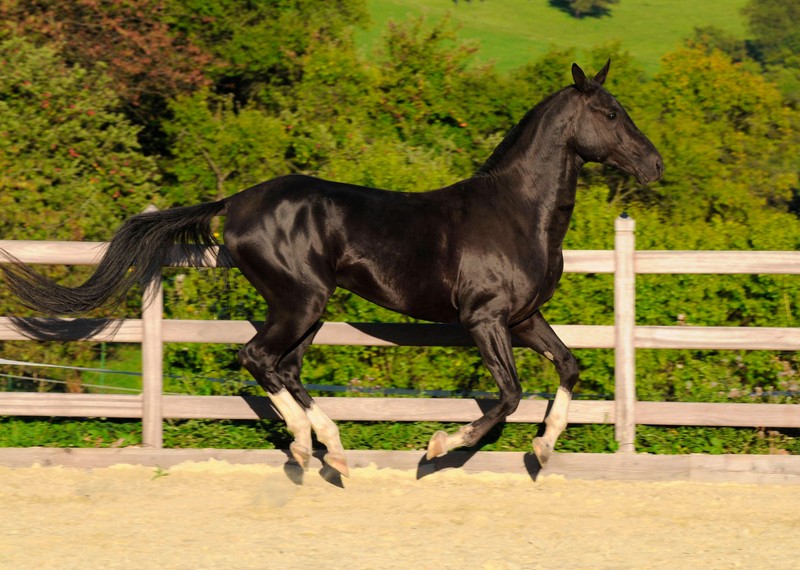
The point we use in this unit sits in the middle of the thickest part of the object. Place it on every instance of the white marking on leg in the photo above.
(549, 355)
(557, 418)
(555, 423)
(323, 426)
(295, 417)
(328, 435)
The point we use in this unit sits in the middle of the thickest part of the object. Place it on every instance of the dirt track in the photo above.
(215, 515)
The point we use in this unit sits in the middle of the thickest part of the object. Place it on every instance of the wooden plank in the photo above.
(55, 252)
(380, 409)
(750, 469)
(239, 332)
(47, 404)
(394, 334)
(257, 407)
(96, 330)
(718, 414)
(90, 253)
(759, 469)
(575, 261)
(588, 261)
(718, 338)
(718, 262)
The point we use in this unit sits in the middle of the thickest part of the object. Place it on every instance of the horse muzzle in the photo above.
(651, 172)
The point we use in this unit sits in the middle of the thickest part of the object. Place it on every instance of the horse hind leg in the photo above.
(274, 357)
(254, 359)
(325, 429)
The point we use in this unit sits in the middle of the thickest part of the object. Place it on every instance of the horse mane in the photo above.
(530, 119)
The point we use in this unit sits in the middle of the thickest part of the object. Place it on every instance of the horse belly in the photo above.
(421, 293)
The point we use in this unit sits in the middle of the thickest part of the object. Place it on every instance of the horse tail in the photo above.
(135, 255)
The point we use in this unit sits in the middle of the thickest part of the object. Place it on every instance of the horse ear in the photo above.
(601, 75)
(579, 77)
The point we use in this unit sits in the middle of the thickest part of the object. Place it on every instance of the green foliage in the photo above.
(68, 158)
(219, 147)
(260, 46)
(729, 143)
(71, 168)
(773, 26)
(144, 56)
(56, 432)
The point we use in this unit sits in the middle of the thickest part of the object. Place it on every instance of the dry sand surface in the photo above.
(215, 515)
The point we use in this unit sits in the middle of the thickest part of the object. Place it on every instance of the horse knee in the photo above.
(252, 357)
(569, 371)
(256, 364)
(245, 355)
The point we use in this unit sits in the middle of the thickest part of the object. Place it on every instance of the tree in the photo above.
(583, 8)
(775, 34)
(219, 147)
(145, 59)
(730, 144)
(775, 42)
(260, 45)
(69, 159)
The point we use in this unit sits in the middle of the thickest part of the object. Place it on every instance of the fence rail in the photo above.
(624, 337)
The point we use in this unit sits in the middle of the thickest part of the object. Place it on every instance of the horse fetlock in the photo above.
(301, 454)
(543, 449)
(337, 461)
(441, 442)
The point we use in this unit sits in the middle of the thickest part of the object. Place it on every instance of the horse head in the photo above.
(605, 133)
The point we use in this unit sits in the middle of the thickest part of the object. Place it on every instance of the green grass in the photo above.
(514, 32)
(127, 358)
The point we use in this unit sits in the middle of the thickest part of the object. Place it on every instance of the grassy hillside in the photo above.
(513, 32)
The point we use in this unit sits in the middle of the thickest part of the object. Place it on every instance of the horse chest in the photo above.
(537, 284)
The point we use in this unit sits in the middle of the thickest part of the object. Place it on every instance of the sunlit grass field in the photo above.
(514, 32)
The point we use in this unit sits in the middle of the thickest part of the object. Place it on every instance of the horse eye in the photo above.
(612, 115)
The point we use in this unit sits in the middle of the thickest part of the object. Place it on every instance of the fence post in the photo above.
(624, 330)
(152, 361)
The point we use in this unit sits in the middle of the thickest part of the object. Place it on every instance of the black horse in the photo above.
(484, 252)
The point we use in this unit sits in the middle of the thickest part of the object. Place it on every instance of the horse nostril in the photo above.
(659, 167)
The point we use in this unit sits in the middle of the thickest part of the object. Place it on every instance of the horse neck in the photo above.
(539, 169)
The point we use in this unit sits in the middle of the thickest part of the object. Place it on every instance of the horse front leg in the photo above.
(536, 333)
(493, 339)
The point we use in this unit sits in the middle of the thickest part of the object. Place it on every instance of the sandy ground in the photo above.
(216, 515)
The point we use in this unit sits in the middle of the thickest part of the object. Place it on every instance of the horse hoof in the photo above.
(437, 445)
(301, 454)
(338, 462)
(541, 450)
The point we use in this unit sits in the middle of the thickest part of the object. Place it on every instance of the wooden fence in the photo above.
(624, 337)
